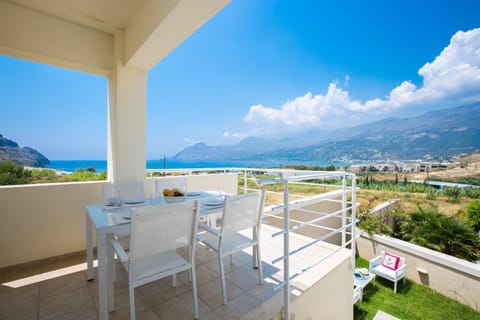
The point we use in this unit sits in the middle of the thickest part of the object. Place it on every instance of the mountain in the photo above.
(434, 135)
(10, 150)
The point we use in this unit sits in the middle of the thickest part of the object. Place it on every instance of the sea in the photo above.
(101, 165)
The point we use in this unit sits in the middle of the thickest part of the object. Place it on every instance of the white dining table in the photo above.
(105, 222)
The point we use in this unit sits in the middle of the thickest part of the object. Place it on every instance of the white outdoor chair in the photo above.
(157, 232)
(240, 213)
(389, 266)
(170, 183)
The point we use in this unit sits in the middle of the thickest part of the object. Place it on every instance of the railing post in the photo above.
(344, 210)
(245, 184)
(354, 218)
(286, 251)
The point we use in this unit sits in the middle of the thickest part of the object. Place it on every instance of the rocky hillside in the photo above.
(435, 135)
(10, 150)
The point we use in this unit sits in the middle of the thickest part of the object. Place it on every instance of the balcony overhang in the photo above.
(80, 34)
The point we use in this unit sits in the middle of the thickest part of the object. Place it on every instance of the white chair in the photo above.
(170, 183)
(389, 266)
(123, 191)
(157, 232)
(240, 213)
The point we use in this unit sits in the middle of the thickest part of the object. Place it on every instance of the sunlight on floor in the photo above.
(48, 275)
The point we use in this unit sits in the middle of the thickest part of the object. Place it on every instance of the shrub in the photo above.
(472, 193)
(431, 193)
(13, 173)
(453, 193)
(472, 214)
(431, 229)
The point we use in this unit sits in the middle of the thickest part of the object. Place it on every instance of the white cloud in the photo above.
(454, 75)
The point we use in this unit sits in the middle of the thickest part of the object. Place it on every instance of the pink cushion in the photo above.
(390, 261)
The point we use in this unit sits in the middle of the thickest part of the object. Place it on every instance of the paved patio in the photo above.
(58, 289)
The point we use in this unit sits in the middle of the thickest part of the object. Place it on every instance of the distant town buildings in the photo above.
(408, 166)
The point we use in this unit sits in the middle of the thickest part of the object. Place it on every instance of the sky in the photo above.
(263, 68)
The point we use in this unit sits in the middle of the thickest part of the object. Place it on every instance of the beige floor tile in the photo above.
(238, 307)
(67, 304)
(161, 290)
(180, 308)
(204, 275)
(245, 277)
(264, 291)
(19, 303)
(61, 284)
(212, 294)
(211, 316)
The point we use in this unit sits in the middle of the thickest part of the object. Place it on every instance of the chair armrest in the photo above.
(374, 262)
(402, 270)
(119, 250)
(209, 229)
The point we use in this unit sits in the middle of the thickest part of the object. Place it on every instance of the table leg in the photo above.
(111, 274)
(105, 282)
(89, 226)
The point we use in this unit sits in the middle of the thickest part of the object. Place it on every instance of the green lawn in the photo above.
(412, 301)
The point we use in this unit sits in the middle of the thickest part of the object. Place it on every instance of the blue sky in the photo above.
(263, 68)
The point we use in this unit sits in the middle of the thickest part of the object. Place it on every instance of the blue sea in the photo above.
(101, 165)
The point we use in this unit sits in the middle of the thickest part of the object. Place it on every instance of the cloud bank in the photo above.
(453, 76)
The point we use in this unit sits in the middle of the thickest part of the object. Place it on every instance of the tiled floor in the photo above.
(71, 296)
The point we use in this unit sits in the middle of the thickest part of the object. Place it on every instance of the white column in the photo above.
(127, 104)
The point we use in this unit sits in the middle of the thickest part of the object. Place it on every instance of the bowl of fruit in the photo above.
(173, 195)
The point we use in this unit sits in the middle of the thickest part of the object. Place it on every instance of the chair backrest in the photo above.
(162, 229)
(123, 190)
(170, 183)
(242, 212)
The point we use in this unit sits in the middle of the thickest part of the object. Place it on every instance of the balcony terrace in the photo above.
(45, 277)
(43, 226)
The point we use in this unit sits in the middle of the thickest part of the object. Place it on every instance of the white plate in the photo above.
(134, 201)
(213, 202)
(193, 194)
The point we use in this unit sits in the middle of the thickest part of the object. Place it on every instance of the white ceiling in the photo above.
(104, 15)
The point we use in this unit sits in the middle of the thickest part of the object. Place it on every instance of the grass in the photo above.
(412, 301)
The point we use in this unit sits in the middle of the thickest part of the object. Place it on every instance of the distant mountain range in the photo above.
(10, 150)
(434, 135)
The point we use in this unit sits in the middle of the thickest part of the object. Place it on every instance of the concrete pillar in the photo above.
(127, 104)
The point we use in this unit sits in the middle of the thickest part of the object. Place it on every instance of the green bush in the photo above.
(453, 193)
(472, 193)
(43, 174)
(472, 214)
(13, 173)
(82, 175)
(431, 229)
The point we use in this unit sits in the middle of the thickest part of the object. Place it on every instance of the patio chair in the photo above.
(239, 213)
(157, 234)
(170, 183)
(389, 266)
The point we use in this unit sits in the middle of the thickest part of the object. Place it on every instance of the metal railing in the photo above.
(347, 226)
(343, 185)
